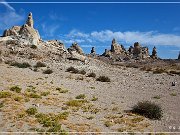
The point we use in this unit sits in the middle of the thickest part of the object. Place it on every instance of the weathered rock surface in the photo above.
(77, 48)
(76, 52)
(25, 32)
(138, 52)
(116, 48)
(30, 21)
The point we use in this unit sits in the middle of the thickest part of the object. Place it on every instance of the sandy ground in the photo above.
(127, 87)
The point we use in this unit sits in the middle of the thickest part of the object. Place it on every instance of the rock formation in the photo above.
(138, 52)
(179, 56)
(76, 52)
(93, 50)
(30, 21)
(25, 34)
(116, 48)
(77, 48)
(154, 53)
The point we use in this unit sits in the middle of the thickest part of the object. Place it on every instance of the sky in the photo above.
(95, 25)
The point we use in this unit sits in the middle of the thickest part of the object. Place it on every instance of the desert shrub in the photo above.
(83, 72)
(40, 64)
(45, 93)
(61, 90)
(175, 72)
(5, 94)
(34, 95)
(1, 104)
(157, 97)
(75, 103)
(20, 65)
(159, 71)
(17, 98)
(148, 109)
(48, 71)
(173, 94)
(108, 123)
(51, 120)
(81, 96)
(94, 98)
(33, 46)
(103, 79)
(16, 89)
(72, 70)
(91, 75)
(31, 111)
(63, 116)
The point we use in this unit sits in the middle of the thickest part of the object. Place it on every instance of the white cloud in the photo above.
(7, 5)
(76, 33)
(128, 37)
(10, 17)
(49, 30)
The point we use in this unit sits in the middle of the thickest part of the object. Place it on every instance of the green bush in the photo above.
(45, 93)
(40, 64)
(75, 103)
(103, 79)
(48, 71)
(16, 89)
(31, 111)
(81, 96)
(94, 98)
(34, 95)
(148, 109)
(92, 75)
(5, 94)
(20, 65)
(1, 104)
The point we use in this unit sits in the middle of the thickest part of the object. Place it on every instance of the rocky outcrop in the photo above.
(138, 52)
(76, 52)
(154, 53)
(116, 48)
(77, 48)
(179, 56)
(25, 32)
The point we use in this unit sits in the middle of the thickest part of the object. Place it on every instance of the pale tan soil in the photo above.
(127, 87)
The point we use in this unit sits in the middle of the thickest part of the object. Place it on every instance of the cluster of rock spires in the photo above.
(28, 35)
(118, 52)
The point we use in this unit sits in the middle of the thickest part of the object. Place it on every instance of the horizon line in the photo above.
(88, 2)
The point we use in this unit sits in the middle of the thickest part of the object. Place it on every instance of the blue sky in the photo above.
(96, 24)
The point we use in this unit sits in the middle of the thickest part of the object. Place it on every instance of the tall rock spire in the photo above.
(154, 53)
(179, 56)
(30, 21)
